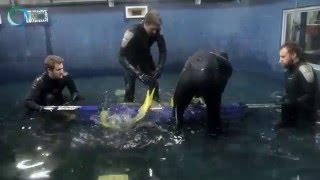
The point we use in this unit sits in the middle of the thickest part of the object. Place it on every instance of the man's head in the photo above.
(290, 54)
(152, 22)
(53, 65)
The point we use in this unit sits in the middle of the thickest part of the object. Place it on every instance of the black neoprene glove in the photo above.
(146, 79)
(157, 73)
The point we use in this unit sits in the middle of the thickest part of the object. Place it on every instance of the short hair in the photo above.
(51, 60)
(153, 17)
(293, 48)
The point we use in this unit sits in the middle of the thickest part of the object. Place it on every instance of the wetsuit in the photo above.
(136, 58)
(301, 87)
(205, 75)
(46, 91)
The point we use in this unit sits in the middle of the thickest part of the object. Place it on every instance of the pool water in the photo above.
(40, 147)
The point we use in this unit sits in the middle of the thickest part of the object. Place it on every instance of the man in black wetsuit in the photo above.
(47, 88)
(301, 86)
(136, 58)
(205, 74)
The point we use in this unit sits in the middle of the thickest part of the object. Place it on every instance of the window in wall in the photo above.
(303, 27)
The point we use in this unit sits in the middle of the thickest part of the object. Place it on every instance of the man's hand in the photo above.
(76, 97)
(157, 73)
(146, 79)
(284, 101)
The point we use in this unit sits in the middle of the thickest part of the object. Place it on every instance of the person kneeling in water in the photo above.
(47, 89)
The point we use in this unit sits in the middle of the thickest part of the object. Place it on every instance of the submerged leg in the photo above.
(288, 117)
(130, 81)
(213, 103)
(181, 101)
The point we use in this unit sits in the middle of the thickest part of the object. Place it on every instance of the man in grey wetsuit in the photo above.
(301, 87)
